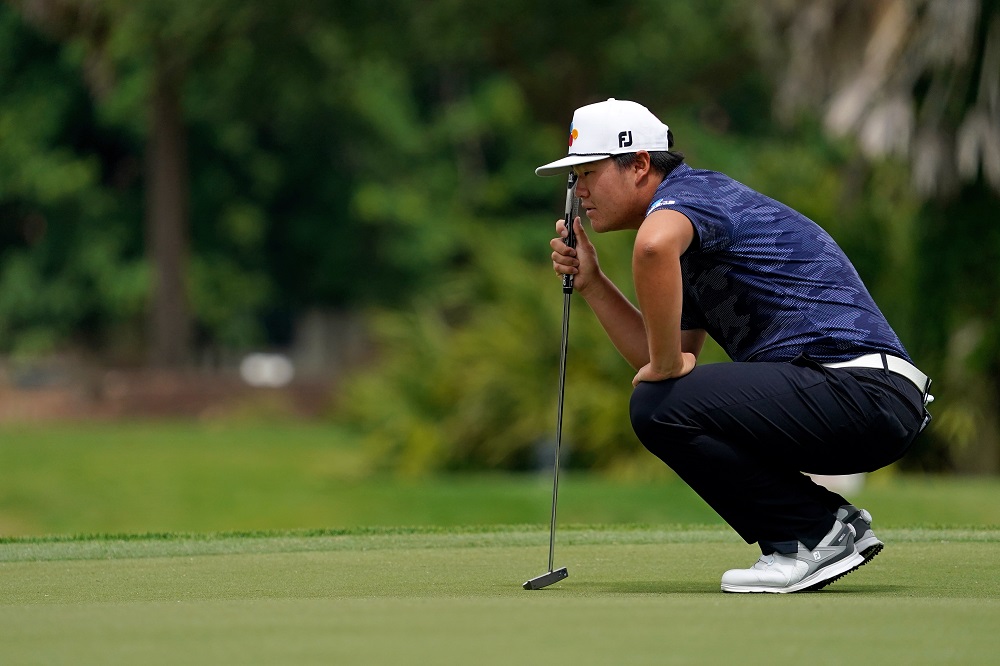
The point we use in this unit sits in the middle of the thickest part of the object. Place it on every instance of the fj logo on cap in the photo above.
(625, 139)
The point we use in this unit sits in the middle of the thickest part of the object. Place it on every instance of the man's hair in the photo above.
(662, 161)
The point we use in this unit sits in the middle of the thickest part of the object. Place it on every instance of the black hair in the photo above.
(661, 161)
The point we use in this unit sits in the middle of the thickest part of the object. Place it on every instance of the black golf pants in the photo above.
(742, 434)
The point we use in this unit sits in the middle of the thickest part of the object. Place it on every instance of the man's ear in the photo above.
(642, 166)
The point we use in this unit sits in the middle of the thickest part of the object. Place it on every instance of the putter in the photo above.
(556, 575)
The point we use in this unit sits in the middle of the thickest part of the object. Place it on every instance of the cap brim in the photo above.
(565, 164)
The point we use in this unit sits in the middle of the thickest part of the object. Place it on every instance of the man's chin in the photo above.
(597, 225)
(595, 222)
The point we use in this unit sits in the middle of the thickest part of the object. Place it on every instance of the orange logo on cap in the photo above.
(573, 136)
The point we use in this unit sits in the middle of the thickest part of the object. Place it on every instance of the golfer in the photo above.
(819, 381)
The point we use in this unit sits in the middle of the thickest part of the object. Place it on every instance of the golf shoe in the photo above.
(833, 557)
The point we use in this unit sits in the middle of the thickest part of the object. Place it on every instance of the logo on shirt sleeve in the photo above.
(659, 203)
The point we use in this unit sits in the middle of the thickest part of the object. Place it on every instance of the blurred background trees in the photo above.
(181, 183)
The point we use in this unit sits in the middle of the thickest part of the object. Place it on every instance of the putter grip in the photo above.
(572, 210)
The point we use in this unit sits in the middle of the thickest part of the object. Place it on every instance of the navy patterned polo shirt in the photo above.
(766, 282)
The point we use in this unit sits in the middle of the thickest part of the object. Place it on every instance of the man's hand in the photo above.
(648, 374)
(580, 262)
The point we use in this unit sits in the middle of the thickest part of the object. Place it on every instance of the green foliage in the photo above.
(469, 380)
(65, 261)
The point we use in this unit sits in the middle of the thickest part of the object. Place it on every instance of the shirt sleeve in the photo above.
(712, 228)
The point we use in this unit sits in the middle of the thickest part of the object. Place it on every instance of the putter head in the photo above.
(546, 579)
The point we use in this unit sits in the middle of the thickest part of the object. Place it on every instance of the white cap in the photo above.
(609, 128)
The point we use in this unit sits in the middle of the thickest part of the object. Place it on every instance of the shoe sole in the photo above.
(819, 579)
(869, 548)
(859, 560)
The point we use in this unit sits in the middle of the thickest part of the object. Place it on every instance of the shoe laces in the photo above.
(764, 562)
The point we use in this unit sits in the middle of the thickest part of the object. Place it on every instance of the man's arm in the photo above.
(620, 319)
(663, 237)
(693, 340)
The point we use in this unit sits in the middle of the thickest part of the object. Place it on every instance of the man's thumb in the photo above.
(578, 229)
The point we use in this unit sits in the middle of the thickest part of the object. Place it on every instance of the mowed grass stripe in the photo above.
(400, 564)
(935, 568)
(129, 546)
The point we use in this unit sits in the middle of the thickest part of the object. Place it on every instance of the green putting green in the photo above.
(453, 596)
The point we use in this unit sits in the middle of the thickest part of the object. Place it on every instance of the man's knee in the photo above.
(641, 408)
(649, 410)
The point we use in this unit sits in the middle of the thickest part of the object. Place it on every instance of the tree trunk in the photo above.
(167, 220)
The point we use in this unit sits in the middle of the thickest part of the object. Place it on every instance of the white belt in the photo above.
(892, 364)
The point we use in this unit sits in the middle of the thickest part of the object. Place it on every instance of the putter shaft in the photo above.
(559, 422)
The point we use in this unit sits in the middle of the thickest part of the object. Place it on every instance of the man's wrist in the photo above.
(595, 286)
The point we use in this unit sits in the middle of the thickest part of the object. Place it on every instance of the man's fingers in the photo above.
(562, 262)
(564, 259)
(559, 245)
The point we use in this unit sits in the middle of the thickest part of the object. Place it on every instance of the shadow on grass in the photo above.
(651, 587)
(860, 588)
(704, 587)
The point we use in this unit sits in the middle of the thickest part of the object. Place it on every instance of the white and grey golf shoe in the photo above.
(833, 557)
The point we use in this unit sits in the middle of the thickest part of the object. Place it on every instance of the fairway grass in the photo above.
(636, 594)
(212, 477)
